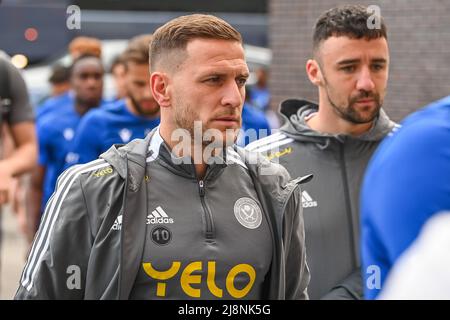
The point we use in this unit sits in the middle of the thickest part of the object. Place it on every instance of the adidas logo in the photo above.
(158, 216)
(117, 223)
(307, 201)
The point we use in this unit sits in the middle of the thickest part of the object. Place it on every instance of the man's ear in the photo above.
(314, 73)
(158, 84)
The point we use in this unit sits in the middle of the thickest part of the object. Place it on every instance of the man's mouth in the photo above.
(227, 119)
(365, 101)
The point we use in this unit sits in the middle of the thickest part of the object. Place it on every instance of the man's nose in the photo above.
(232, 95)
(365, 81)
(94, 81)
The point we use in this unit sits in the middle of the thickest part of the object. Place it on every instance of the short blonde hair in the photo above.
(175, 34)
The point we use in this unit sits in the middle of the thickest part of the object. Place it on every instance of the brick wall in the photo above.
(419, 42)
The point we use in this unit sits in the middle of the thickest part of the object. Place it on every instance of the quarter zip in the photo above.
(347, 204)
(209, 228)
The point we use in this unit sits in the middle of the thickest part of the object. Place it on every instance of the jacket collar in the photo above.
(159, 151)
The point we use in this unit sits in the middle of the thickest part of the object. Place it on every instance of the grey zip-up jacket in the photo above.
(331, 199)
(80, 235)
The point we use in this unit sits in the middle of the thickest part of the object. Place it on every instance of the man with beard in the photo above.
(151, 221)
(124, 120)
(55, 130)
(334, 140)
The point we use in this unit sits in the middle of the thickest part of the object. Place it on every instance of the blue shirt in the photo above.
(55, 132)
(102, 128)
(254, 119)
(407, 181)
(56, 103)
(59, 103)
(260, 98)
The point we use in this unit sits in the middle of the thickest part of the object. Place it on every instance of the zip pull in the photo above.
(202, 188)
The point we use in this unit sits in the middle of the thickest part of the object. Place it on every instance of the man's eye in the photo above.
(213, 79)
(378, 67)
(348, 69)
(241, 81)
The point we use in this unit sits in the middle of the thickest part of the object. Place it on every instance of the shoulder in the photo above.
(424, 133)
(269, 143)
(104, 113)
(48, 123)
(93, 176)
(94, 117)
(112, 107)
(263, 169)
(432, 120)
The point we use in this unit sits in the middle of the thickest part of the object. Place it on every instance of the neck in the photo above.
(179, 149)
(81, 108)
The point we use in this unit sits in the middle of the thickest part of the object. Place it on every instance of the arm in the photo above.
(36, 187)
(35, 196)
(57, 263)
(24, 156)
(20, 120)
(349, 289)
(297, 272)
(21, 159)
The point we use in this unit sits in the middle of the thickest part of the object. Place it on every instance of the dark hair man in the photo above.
(334, 140)
(57, 128)
(124, 120)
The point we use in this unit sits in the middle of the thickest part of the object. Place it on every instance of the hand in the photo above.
(6, 179)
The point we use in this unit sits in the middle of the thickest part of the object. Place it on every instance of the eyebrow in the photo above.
(353, 61)
(222, 74)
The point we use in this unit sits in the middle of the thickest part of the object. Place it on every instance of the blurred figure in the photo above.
(57, 129)
(124, 120)
(406, 183)
(422, 272)
(59, 80)
(259, 95)
(80, 46)
(118, 72)
(18, 152)
(252, 119)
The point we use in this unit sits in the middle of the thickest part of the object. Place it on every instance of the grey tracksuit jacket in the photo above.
(94, 225)
(331, 199)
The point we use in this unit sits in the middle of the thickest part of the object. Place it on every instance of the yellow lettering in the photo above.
(161, 275)
(187, 279)
(240, 268)
(103, 172)
(211, 280)
(279, 153)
